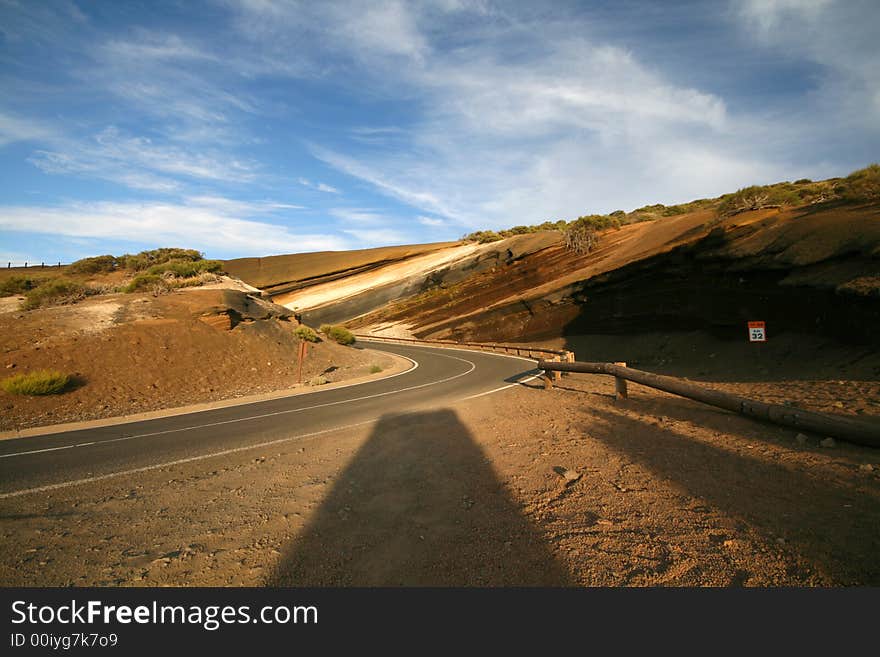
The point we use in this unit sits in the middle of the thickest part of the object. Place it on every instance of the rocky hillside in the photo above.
(807, 269)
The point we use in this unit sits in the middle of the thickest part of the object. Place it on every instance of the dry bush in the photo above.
(55, 291)
(581, 237)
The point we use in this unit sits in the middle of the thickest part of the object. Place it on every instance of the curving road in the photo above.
(441, 376)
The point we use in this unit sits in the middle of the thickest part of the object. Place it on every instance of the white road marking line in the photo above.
(200, 457)
(235, 450)
(256, 417)
(510, 385)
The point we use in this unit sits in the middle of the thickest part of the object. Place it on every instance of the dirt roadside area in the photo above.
(130, 354)
(522, 487)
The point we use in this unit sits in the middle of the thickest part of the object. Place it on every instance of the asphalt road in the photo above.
(37, 463)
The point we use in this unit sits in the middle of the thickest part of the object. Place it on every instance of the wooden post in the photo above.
(548, 381)
(302, 357)
(557, 375)
(620, 384)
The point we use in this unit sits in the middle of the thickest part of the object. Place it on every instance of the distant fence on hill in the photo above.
(33, 264)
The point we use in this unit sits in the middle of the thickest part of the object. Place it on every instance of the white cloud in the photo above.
(431, 222)
(210, 229)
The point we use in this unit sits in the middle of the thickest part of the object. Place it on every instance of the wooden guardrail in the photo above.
(515, 350)
(854, 430)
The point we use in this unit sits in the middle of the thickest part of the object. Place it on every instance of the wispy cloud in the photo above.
(431, 222)
(138, 162)
(216, 229)
(378, 236)
(13, 129)
(319, 186)
(507, 138)
(359, 216)
(841, 38)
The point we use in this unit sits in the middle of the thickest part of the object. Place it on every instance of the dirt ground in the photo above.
(523, 487)
(132, 353)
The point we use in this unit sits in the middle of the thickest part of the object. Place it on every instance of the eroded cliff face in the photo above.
(808, 270)
(390, 282)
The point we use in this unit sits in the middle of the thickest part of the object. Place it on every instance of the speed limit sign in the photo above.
(757, 332)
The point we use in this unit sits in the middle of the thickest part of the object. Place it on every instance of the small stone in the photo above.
(827, 442)
(570, 476)
(801, 439)
(10, 366)
(867, 467)
(838, 404)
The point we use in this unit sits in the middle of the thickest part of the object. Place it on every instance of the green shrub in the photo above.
(55, 291)
(42, 382)
(17, 285)
(306, 334)
(185, 268)
(862, 185)
(141, 282)
(318, 381)
(96, 265)
(338, 334)
(375, 369)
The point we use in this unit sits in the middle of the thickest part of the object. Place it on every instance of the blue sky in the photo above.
(255, 127)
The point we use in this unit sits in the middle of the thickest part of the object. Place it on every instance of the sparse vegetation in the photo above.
(375, 369)
(860, 186)
(306, 334)
(17, 285)
(185, 268)
(41, 382)
(172, 274)
(54, 291)
(318, 381)
(338, 334)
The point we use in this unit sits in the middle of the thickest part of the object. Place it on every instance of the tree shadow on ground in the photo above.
(831, 524)
(419, 505)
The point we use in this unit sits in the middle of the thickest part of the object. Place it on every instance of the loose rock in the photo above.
(828, 442)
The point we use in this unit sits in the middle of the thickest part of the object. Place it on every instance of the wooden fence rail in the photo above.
(854, 430)
(515, 350)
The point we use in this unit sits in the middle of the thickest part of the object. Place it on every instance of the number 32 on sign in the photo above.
(757, 332)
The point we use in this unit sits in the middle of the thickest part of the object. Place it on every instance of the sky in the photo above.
(259, 127)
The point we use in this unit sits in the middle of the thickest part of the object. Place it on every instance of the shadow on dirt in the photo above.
(419, 505)
(833, 524)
